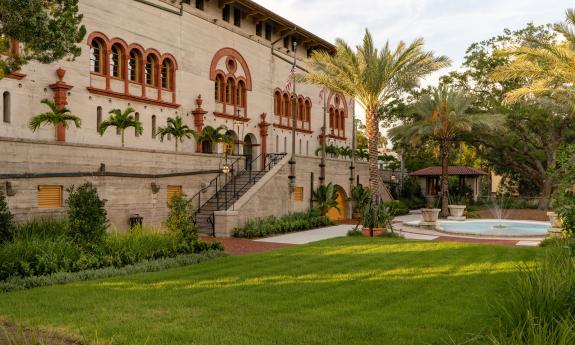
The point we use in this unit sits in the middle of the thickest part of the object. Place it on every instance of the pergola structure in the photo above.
(429, 179)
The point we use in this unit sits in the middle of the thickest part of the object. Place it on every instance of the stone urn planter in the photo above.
(456, 212)
(429, 218)
(555, 230)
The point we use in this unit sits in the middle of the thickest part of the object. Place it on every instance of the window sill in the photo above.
(140, 99)
(231, 117)
(298, 129)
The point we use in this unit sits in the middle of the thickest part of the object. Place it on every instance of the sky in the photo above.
(448, 26)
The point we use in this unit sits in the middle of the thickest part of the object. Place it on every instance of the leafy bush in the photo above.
(180, 220)
(87, 216)
(398, 206)
(6, 221)
(290, 223)
(360, 196)
(377, 215)
(325, 197)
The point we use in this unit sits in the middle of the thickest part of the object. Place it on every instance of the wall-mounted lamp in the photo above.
(226, 168)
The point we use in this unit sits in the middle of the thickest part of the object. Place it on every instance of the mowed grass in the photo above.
(341, 291)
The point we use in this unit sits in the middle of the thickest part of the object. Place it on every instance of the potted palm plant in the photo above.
(360, 196)
(325, 198)
(376, 218)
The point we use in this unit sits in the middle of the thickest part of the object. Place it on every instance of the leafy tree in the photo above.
(443, 118)
(177, 129)
(373, 78)
(6, 220)
(180, 220)
(50, 30)
(121, 120)
(55, 117)
(87, 216)
(326, 198)
(564, 197)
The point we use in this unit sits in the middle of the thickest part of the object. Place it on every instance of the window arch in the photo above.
(307, 111)
(167, 75)
(154, 125)
(286, 105)
(151, 70)
(219, 88)
(285, 144)
(98, 117)
(117, 61)
(331, 118)
(230, 86)
(97, 53)
(6, 107)
(277, 103)
(300, 109)
(241, 96)
(135, 66)
(277, 144)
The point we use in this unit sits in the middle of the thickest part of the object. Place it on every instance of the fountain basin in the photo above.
(494, 227)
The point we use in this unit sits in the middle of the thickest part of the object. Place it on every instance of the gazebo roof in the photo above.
(451, 171)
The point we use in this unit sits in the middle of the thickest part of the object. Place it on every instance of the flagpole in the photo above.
(292, 161)
(323, 137)
(352, 166)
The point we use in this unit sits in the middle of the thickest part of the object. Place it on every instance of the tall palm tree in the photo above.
(373, 77)
(443, 117)
(546, 68)
(121, 120)
(176, 128)
(55, 117)
(215, 135)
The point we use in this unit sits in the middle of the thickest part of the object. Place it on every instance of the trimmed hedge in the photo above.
(290, 223)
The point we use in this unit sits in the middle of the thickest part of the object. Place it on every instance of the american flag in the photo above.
(289, 82)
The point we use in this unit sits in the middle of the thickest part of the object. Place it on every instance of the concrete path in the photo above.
(309, 236)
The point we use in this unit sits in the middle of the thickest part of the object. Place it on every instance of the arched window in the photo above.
(116, 61)
(307, 111)
(97, 51)
(307, 148)
(300, 110)
(342, 123)
(230, 86)
(286, 105)
(168, 75)
(285, 144)
(241, 100)
(6, 107)
(300, 147)
(135, 66)
(154, 126)
(277, 144)
(219, 88)
(98, 117)
(151, 70)
(137, 116)
(331, 118)
(277, 103)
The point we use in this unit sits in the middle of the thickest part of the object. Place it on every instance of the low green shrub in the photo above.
(398, 206)
(22, 283)
(87, 215)
(6, 220)
(414, 202)
(180, 222)
(290, 223)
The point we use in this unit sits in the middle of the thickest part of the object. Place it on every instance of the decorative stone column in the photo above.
(60, 89)
(199, 120)
(264, 128)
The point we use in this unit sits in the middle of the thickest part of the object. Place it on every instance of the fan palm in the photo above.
(442, 117)
(372, 77)
(546, 68)
(121, 120)
(176, 128)
(55, 117)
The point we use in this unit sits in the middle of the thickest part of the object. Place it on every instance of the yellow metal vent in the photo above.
(50, 196)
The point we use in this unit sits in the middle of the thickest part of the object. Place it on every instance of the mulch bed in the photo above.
(515, 214)
(240, 246)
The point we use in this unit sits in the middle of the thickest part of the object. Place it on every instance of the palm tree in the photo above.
(215, 135)
(55, 117)
(546, 68)
(326, 198)
(373, 78)
(121, 120)
(176, 128)
(443, 117)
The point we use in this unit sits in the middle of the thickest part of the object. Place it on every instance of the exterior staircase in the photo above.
(226, 189)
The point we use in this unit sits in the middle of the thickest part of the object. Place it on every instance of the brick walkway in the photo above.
(239, 246)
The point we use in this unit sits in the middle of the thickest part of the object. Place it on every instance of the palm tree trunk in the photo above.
(176, 145)
(122, 130)
(445, 148)
(372, 129)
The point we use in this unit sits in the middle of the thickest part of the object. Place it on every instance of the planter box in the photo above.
(456, 212)
(555, 230)
(429, 218)
(376, 232)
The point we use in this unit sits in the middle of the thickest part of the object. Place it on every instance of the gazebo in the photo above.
(429, 179)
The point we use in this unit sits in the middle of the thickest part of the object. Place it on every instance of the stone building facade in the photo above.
(212, 62)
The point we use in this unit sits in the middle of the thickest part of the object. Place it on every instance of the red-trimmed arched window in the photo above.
(307, 111)
(230, 86)
(277, 103)
(151, 70)
(286, 105)
(219, 88)
(135, 66)
(342, 123)
(167, 75)
(300, 109)
(241, 96)
(331, 118)
(97, 56)
(117, 61)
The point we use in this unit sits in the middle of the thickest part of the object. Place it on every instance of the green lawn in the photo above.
(342, 291)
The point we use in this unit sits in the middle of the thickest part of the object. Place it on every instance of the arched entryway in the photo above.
(339, 213)
(234, 149)
(249, 149)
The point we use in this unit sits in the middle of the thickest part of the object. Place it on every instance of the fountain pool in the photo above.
(486, 227)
